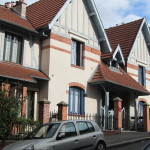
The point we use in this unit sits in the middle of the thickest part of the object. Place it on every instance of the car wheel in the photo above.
(101, 146)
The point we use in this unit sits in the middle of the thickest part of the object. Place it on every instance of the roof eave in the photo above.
(16, 25)
(104, 81)
(99, 26)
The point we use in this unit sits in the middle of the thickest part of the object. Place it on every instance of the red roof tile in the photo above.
(42, 12)
(104, 73)
(11, 17)
(20, 73)
(124, 35)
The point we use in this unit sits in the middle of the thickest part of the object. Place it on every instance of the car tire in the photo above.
(101, 146)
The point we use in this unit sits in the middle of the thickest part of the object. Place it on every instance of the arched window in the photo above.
(76, 101)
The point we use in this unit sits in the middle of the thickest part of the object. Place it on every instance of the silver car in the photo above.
(63, 135)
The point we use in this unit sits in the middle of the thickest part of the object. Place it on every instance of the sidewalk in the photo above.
(126, 137)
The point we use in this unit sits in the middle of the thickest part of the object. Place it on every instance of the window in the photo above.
(44, 131)
(77, 53)
(85, 127)
(142, 75)
(76, 101)
(68, 130)
(30, 105)
(12, 48)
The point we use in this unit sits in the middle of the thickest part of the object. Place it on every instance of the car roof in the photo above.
(65, 121)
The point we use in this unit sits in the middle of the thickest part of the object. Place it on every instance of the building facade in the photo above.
(62, 53)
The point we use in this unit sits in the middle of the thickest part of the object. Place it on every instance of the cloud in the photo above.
(120, 11)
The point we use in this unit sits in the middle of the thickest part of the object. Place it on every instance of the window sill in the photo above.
(75, 115)
(12, 63)
(82, 68)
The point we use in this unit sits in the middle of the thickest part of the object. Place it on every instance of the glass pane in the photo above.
(7, 47)
(45, 131)
(90, 126)
(73, 53)
(14, 50)
(83, 128)
(68, 129)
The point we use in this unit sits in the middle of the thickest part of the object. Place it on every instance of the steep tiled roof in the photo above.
(124, 35)
(104, 73)
(20, 73)
(9, 16)
(42, 12)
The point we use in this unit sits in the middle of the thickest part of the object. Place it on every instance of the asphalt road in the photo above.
(133, 146)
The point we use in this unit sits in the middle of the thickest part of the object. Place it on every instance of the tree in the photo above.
(9, 111)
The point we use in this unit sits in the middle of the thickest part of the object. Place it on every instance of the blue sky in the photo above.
(114, 12)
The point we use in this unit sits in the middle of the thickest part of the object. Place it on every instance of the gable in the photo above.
(140, 50)
(124, 35)
(81, 20)
(75, 21)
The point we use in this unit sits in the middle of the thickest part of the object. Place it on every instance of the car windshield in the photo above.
(44, 131)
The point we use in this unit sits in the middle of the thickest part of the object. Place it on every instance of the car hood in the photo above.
(22, 144)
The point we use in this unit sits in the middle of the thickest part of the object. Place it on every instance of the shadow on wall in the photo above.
(92, 91)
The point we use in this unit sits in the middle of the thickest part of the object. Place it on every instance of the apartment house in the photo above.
(51, 53)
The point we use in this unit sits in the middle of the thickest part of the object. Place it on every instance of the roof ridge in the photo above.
(125, 24)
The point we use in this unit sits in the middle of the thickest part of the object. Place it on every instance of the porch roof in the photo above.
(117, 77)
(18, 72)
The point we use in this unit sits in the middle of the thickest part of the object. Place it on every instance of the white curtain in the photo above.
(15, 50)
(8, 47)
(73, 53)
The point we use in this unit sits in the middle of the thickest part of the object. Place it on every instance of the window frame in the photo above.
(19, 51)
(77, 58)
(142, 75)
(76, 107)
(88, 128)
(70, 136)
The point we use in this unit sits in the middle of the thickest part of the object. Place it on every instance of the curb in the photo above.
(127, 142)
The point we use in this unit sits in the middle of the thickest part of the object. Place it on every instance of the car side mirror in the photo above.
(60, 135)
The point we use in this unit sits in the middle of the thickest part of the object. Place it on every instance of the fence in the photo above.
(19, 131)
(99, 119)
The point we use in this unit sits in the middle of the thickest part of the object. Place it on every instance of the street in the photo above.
(134, 146)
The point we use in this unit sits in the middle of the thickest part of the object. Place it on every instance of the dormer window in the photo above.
(12, 48)
(115, 64)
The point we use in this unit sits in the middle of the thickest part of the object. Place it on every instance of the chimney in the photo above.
(12, 3)
(8, 5)
(20, 8)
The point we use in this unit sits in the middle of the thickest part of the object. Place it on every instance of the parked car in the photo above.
(147, 147)
(63, 135)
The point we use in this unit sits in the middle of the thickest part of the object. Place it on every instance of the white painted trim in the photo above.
(59, 14)
(118, 49)
(98, 16)
(132, 49)
(52, 23)
(76, 34)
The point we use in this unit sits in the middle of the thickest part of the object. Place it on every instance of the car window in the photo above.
(90, 126)
(45, 131)
(67, 130)
(83, 127)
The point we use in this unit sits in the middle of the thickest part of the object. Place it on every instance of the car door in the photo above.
(67, 138)
(87, 136)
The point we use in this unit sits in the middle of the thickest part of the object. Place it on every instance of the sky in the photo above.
(114, 12)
